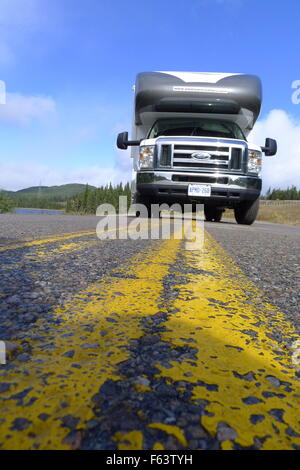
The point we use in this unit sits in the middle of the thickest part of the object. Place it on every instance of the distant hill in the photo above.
(45, 197)
(61, 193)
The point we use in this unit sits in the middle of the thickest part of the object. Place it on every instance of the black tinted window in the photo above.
(196, 127)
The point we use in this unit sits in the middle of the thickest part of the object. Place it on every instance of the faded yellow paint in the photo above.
(227, 445)
(131, 441)
(44, 241)
(142, 388)
(47, 253)
(225, 316)
(27, 243)
(97, 326)
(60, 250)
(158, 446)
(219, 314)
(171, 430)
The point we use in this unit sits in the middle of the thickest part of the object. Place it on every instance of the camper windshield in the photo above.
(196, 127)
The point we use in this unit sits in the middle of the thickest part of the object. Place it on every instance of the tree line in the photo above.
(289, 194)
(11, 201)
(88, 201)
(85, 202)
(6, 203)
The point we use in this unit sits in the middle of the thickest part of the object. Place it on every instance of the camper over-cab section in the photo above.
(189, 142)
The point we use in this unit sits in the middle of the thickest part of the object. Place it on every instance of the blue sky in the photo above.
(69, 67)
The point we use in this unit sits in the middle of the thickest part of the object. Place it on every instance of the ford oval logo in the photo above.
(201, 156)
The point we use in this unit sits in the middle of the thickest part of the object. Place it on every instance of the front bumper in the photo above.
(228, 190)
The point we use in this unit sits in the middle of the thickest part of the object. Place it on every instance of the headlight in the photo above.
(254, 161)
(147, 156)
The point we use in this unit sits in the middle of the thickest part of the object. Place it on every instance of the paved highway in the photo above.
(131, 344)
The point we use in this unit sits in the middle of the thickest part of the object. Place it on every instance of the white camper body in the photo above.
(189, 141)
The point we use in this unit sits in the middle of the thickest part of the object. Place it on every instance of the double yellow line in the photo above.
(246, 378)
(45, 241)
(96, 328)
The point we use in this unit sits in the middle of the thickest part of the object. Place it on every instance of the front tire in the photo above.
(246, 212)
(137, 199)
(212, 214)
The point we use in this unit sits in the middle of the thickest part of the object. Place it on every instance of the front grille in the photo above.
(236, 158)
(165, 155)
(217, 153)
(221, 157)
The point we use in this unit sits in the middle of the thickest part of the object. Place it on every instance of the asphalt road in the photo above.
(130, 344)
(270, 255)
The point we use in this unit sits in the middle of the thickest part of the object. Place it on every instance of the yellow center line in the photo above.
(247, 378)
(61, 249)
(71, 362)
(70, 247)
(44, 241)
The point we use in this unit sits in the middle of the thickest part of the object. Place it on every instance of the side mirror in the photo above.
(123, 143)
(270, 148)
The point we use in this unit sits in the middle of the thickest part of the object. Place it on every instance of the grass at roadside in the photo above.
(285, 214)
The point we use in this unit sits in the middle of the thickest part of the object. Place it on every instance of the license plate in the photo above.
(202, 190)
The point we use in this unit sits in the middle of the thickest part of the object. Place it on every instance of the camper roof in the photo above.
(235, 97)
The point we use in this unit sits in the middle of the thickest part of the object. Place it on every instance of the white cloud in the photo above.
(27, 174)
(21, 109)
(283, 169)
(280, 171)
(123, 160)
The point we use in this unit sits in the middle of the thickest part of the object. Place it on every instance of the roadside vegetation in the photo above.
(289, 194)
(88, 201)
(280, 214)
(6, 203)
(286, 213)
(71, 198)
(45, 197)
(277, 206)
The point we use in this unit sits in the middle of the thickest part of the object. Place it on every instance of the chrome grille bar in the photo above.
(227, 155)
